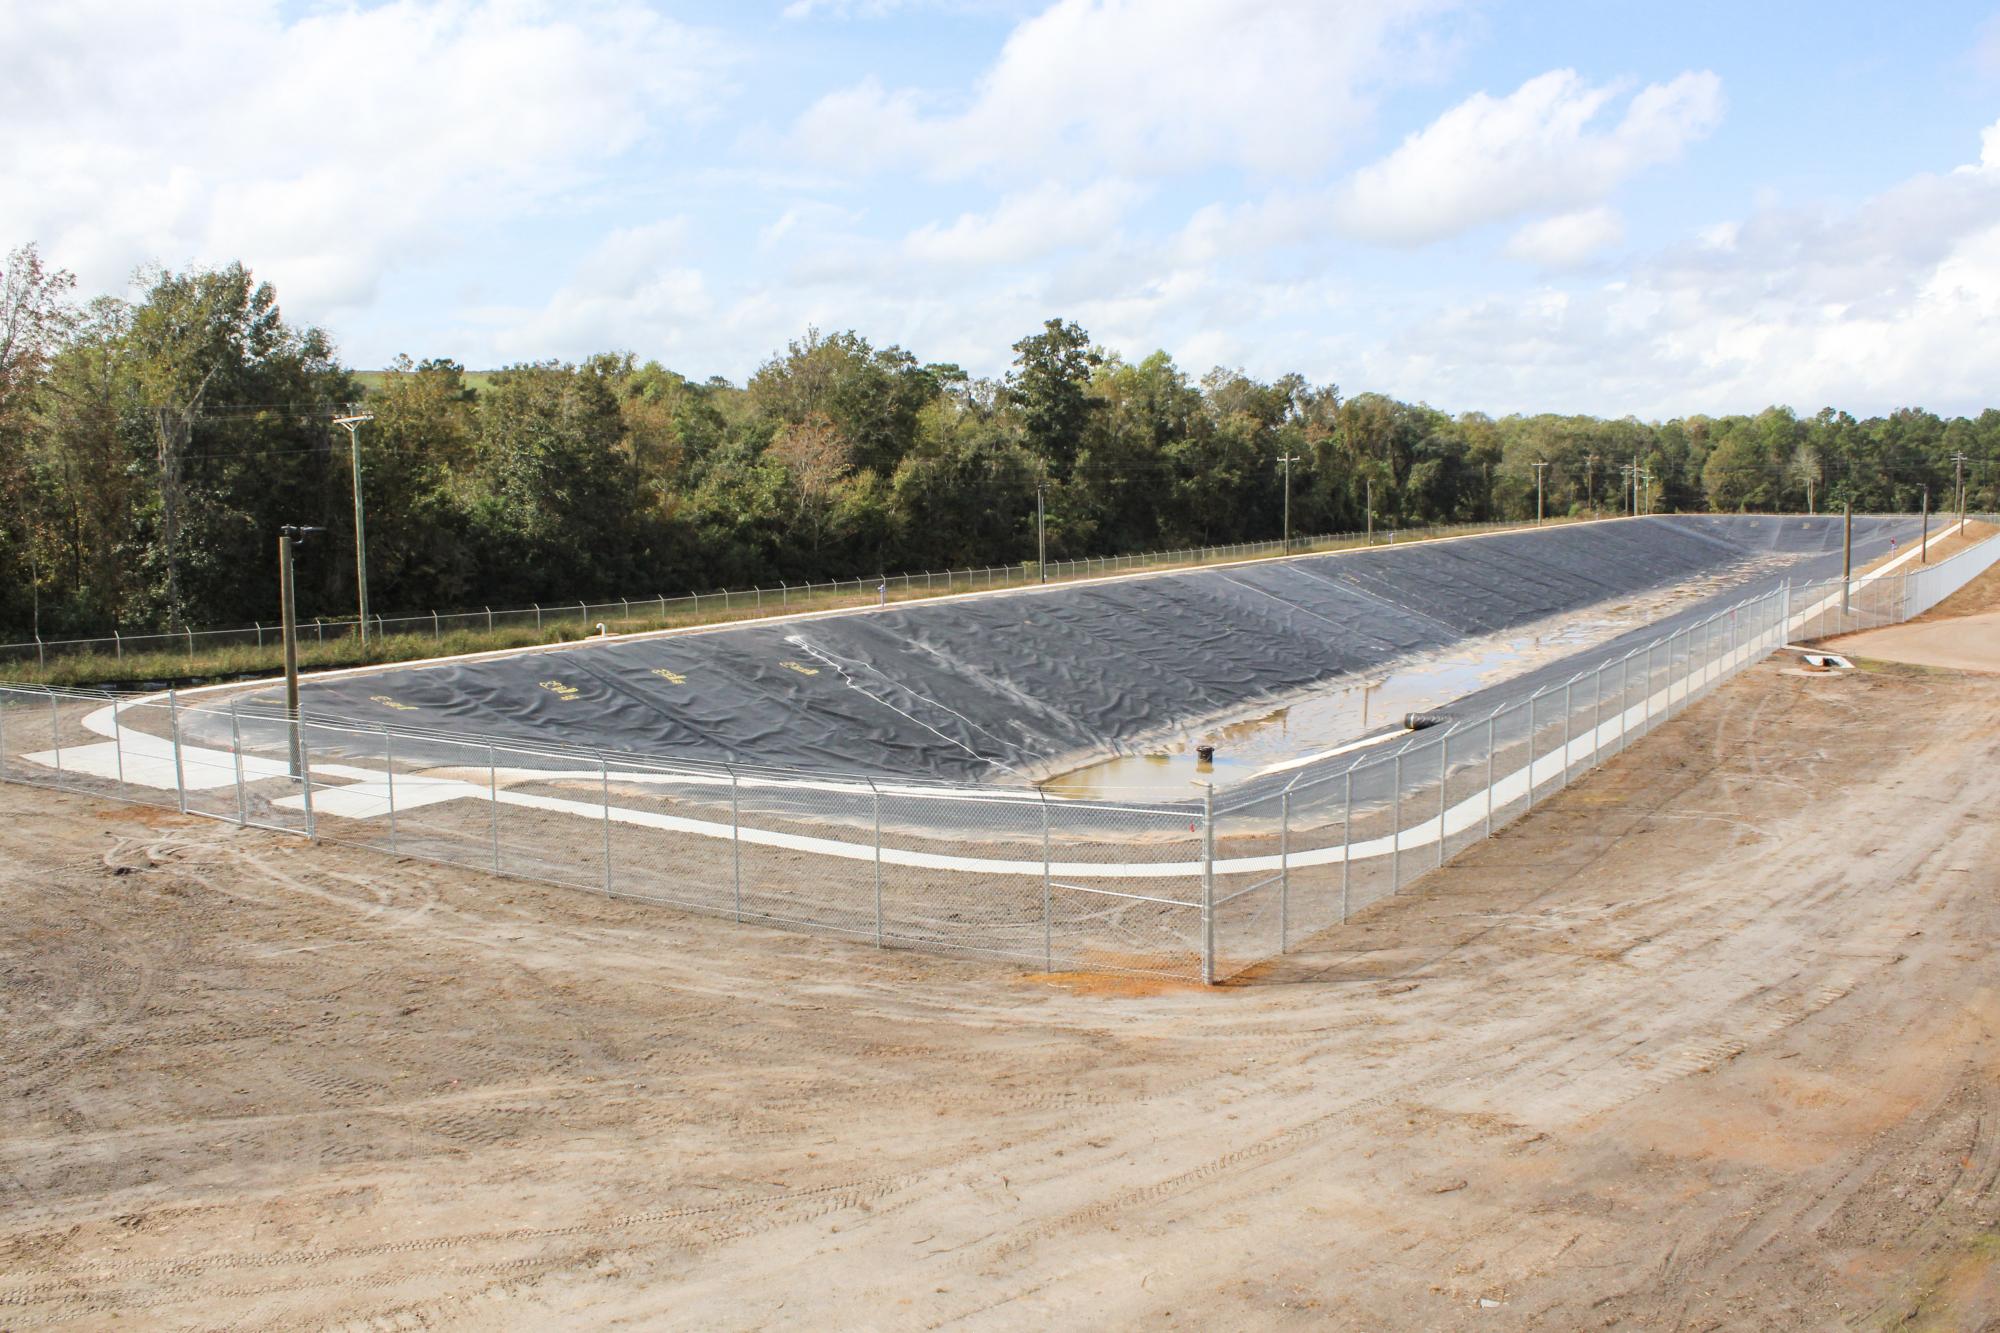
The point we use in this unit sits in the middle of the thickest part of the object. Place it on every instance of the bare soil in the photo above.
(1961, 633)
(1710, 1040)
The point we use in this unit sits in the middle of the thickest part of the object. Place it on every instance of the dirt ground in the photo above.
(1711, 1040)
(1961, 633)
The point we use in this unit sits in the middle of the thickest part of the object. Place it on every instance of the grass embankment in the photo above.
(241, 661)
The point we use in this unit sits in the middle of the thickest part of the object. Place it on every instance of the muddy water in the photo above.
(1345, 710)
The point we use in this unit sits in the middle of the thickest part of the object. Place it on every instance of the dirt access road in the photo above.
(1709, 1041)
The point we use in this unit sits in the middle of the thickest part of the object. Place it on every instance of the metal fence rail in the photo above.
(1203, 889)
(629, 614)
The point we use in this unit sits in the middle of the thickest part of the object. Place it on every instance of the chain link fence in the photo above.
(637, 614)
(1203, 888)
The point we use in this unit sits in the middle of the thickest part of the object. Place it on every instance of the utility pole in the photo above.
(289, 536)
(1846, 556)
(1370, 481)
(1286, 460)
(1635, 485)
(1960, 460)
(1924, 551)
(1041, 530)
(1646, 476)
(353, 424)
(1539, 467)
(1590, 481)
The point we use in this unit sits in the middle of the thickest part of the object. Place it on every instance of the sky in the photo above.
(1594, 206)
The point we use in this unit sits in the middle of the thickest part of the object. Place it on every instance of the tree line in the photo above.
(150, 449)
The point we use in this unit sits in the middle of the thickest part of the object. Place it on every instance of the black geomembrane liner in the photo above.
(1015, 685)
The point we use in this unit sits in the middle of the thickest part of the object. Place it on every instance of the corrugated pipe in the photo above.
(1418, 721)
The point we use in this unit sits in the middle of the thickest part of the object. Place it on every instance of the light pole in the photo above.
(1286, 461)
(353, 424)
(1041, 531)
(289, 536)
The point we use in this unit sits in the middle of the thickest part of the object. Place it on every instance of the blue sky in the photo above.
(1605, 207)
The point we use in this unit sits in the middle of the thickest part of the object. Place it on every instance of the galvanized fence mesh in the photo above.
(1202, 889)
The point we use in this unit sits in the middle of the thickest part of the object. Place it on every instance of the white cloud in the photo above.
(328, 150)
(1893, 302)
(637, 289)
(1139, 89)
(1542, 148)
(1027, 225)
(1567, 240)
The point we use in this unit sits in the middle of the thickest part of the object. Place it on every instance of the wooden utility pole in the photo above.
(1590, 481)
(1846, 556)
(1041, 531)
(1959, 460)
(353, 422)
(288, 537)
(1924, 551)
(288, 620)
(1539, 468)
(1370, 482)
(1286, 462)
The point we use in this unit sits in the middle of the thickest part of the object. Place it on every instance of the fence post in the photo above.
(236, 755)
(735, 844)
(118, 745)
(1532, 742)
(437, 629)
(1048, 892)
(1624, 696)
(174, 726)
(1444, 768)
(538, 617)
(489, 620)
(119, 642)
(876, 792)
(1569, 687)
(5, 695)
(1347, 848)
(1646, 722)
(1207, 885)
(389, 769)
(1284, 870)
(1489, 773)
(604, 773)
(55, 731)
(190, 636)
(1396, 829)
(306, 782)
(493, 796)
